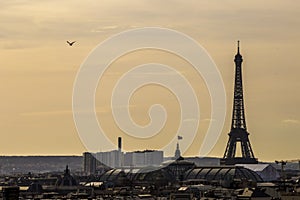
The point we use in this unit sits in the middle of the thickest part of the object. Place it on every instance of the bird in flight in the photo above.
(71, 43)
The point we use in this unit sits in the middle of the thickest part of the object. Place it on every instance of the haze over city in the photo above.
(38, 69)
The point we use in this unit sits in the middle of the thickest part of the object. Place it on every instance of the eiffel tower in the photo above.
(238, 132)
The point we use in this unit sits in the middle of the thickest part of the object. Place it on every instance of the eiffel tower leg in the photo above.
(230, 149)
(245, 152)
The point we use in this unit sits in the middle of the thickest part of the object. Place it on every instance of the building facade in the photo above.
(89, 163)
(143, 158)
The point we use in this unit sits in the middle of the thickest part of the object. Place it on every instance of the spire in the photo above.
(238, 57)
(177, 152)
(67, 171)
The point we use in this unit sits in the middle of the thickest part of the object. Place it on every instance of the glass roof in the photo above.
(217, 173)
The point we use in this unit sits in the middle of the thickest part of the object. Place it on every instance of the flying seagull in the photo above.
(71, 43)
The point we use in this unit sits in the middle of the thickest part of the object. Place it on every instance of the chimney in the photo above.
(119, 143)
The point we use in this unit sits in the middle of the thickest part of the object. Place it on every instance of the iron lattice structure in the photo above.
(238, 132)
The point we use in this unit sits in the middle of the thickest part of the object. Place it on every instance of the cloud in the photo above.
(47, 113)
(290, 121)
(17, 44)
(102, 109)
(104, 28)
(60, 112)
(148, 72)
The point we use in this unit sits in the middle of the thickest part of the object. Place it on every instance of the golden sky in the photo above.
(38, 68)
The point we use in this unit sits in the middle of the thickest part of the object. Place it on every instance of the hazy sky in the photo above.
(38, 68)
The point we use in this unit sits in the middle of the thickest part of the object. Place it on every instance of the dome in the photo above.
(153, 175)
(178, 167)
(212, 174)
(114, 177)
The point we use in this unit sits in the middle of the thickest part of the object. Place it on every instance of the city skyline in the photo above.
(38, 69)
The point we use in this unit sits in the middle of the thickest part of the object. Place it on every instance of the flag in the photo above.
(179, 137)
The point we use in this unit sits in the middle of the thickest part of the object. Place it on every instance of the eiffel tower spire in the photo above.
(238, 132)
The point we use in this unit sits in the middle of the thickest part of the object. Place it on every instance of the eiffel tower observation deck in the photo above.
(238, 133)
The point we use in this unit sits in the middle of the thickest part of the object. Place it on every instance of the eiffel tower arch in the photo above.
(238, 133)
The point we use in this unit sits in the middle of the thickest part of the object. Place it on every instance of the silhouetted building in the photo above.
(10, 192)
(238, 133)
(89, 163)
(177, 152)
(66, 180)
(35, 188)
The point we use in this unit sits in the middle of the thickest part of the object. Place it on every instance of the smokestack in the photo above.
(119, 143)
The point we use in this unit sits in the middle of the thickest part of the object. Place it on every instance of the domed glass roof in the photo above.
(221, 172)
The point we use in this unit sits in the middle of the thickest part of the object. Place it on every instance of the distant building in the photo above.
(10, 192)
(66, 180)
(118, 159)
(143, 158)
(204, 161)
(111, 158)
(89, 163)
(266, 171)
(177, 152)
